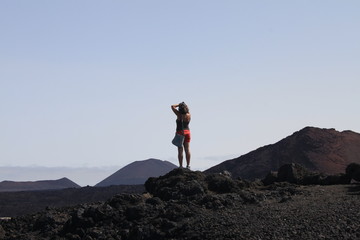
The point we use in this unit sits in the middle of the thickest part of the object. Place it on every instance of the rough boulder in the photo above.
(353, 170)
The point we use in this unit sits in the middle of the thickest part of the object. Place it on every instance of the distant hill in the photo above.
(11, 186)
(138, 172)
(322, 150)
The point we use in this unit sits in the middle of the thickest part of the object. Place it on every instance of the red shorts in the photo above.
(186, 134)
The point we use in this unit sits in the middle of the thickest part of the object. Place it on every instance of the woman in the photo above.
(182, 127)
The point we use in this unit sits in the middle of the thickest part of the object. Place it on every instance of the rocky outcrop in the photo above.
(184, 184)
(297, 174)
(178, 184)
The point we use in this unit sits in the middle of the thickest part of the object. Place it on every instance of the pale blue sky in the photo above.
(90, 83)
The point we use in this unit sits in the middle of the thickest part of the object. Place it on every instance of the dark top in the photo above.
(182, 125)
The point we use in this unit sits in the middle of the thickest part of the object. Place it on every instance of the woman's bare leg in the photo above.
(180, 156)
(187, 153)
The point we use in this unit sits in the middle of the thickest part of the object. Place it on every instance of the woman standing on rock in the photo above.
(182, 127)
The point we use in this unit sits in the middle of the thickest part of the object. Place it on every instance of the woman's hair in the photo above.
(183, 108)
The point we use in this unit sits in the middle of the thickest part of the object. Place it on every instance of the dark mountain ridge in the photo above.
(322, 150)
(12, 186)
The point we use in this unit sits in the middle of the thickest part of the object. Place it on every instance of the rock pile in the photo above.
(183, 184)
(295, 173)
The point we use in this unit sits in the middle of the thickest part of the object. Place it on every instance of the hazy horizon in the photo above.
(83, 176)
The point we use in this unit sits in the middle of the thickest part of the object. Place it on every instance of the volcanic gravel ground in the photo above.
(320, 212)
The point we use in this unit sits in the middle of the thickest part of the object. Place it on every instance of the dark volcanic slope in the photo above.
(138, 172)
(324, 150)
(19, 203)
(11, 186)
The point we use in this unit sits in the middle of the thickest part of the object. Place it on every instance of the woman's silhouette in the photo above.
(182, 127)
